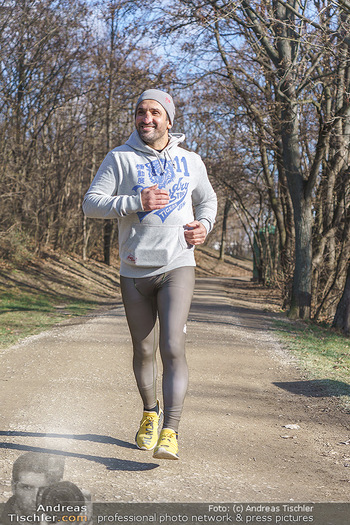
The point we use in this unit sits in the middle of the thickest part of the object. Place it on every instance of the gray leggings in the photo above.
(169, 295)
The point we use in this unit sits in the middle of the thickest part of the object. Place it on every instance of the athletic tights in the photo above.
(169, 296)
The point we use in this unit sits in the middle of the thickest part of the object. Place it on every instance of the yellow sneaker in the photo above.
(167, 447)
(147, 435)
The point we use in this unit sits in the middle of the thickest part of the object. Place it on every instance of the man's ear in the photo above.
(169, 126)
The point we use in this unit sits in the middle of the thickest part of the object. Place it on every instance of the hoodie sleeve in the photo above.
(101, 201)
(204, 199)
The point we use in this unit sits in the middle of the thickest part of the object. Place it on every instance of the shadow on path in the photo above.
(108, 462)
(96, 438)
(316, 388)
(202, 311)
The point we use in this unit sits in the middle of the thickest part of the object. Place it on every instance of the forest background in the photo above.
(262, 94)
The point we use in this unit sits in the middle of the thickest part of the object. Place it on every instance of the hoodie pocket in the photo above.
(153, 245)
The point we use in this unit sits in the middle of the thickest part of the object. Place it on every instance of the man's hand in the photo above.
(154, 199)
(196, 233)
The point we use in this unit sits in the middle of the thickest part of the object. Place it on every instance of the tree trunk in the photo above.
(86, 235)
(342, 314)
(301, 289)
(108, 225)
(224, 229)
(302, 207)
(300, 188)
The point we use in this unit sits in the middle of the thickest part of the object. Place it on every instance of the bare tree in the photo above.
(40, 50)
(281, 67)
(70, 74)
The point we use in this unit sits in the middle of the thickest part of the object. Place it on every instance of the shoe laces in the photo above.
(168, 436)
(148, 421)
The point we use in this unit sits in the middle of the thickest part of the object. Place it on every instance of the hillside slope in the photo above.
(67, 277)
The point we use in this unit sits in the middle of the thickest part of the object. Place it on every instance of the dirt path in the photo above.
(72, 390)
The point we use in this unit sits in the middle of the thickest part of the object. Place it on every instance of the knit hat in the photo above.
(163, 98)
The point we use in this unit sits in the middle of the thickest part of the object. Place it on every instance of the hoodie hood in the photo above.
(137, 144)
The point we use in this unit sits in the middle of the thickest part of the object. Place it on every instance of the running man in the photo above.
(165, 205)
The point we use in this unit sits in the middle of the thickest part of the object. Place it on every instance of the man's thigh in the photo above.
(174, 301)
(140, 310)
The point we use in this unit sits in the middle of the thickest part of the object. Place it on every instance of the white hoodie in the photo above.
(152, 242)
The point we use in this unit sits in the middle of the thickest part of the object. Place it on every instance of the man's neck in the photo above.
(159, 145)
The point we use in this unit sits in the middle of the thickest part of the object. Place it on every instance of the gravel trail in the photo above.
(71, 391)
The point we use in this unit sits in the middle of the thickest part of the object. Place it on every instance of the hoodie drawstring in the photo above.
(162, 166)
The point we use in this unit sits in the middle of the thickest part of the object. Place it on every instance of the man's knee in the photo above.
(143, 351)
(172, 352)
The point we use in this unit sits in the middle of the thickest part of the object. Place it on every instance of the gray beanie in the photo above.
(162, 97)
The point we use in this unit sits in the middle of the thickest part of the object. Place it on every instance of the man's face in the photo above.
(26, 490)
(152, 124)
